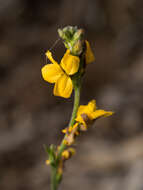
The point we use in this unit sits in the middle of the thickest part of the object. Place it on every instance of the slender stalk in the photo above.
(53, 179)
(77, 89)
(54, 182)
(76, 104)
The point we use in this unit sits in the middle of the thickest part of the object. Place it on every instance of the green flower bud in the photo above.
(73, 39)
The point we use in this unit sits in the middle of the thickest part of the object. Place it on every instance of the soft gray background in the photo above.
(110, 155)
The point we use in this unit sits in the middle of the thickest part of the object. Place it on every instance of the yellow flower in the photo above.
(60, 73)
(89, 112)
(48, 162)
(89, 56)
(66, 154)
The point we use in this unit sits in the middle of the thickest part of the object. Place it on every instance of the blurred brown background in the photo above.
(110, 155)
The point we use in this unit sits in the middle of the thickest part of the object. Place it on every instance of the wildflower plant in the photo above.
(67, 76)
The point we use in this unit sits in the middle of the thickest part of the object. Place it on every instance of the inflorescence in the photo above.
(67, 76)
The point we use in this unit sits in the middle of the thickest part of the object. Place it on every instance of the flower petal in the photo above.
(63, 86)
(51, 72)
(101, 113)
(81, 109)
(89, 56)
(70, 63)
(92, 105)
(50, 57)
(86, 109)
(91, 112)
(65, 154)
(80, 120)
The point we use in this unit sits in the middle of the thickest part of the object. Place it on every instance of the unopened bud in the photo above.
(73, 39)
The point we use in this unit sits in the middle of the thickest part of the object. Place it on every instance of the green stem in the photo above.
(76, 104)
(74, 112)
(77, 87)
(53, 178)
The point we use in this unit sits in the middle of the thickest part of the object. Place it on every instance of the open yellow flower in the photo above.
(89, 56)
(90, 112)
(60, 73)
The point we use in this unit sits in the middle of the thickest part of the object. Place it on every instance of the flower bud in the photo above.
(73, 39)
